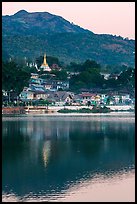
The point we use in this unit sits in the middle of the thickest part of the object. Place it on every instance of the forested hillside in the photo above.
(32, 34)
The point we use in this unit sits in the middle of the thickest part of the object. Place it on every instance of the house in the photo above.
(116, 99)
(125, 98)
(36, 87)
(114, 76)
(33, 95)
(60, 97)
(87, 97)
(105, 75)
(9, 96)
(71, 74)
(37, 95)
(55, 67)
(33, 92)
(34, 76)
(48, 85)
(36, 81)
(57, 84)
(5, 96)
(26, 95)
(76, 99)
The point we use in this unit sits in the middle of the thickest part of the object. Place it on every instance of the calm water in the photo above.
(53, 158)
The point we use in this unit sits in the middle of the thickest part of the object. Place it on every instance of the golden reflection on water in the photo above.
(117, 188)
(46, 152)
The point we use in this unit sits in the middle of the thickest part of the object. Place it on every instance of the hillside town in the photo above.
(53, 92)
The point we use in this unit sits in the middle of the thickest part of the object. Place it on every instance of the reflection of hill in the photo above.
(39, 155)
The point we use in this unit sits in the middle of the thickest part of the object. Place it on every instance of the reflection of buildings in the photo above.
(63, 133)
(45, 130)
(42, 135)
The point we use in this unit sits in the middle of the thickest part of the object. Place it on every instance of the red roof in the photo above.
(88, 94)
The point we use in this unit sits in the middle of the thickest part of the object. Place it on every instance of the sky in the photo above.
(116, 18)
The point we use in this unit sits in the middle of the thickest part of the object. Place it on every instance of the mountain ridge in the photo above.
(31, 34)
(44, 21)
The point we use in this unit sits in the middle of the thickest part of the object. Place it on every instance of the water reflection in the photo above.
(46, 152)
(44, 156)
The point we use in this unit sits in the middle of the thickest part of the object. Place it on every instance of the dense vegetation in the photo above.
(14, 77)
(31, 35)
(86, 110)
(90, 77)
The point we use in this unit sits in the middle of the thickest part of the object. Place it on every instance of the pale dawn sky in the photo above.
(116, 18)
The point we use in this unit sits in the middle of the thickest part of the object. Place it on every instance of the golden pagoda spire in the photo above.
(45, 62)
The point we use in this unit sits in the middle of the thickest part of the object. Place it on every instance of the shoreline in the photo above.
(56, 114)
(53, 110)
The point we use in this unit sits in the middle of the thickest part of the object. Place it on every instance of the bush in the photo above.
(87, 110)
(101, 110)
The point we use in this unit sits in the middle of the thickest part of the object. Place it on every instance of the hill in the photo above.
(31, 34)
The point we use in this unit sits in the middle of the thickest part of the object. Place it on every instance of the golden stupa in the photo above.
(45, 65)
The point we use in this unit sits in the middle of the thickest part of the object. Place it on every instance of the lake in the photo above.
(68, 158)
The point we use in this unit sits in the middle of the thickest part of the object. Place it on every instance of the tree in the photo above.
(88, 103)
(90, 64)
(111, 83)
(89, 78)
(75, 67)
(14, 77)
(126, 76)
(60, 75)
(120, 99)
(108, 101)
(127, 80)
